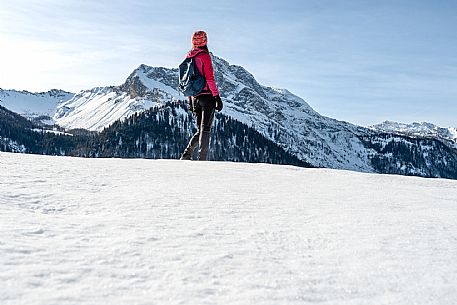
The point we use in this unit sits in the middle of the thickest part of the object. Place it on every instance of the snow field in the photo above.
(114, 231)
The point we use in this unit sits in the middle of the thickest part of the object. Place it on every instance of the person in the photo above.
(206, 102)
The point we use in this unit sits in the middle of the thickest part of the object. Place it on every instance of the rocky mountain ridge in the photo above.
(416, 129)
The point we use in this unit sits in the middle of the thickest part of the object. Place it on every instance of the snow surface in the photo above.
(114, 231)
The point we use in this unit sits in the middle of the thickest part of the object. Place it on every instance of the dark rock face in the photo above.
(168, 77)
(134, 86)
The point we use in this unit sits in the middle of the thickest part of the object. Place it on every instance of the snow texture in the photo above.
(114, 231)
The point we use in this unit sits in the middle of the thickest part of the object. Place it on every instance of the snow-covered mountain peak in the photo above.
(245, 94)
(99, 107)
(146, 79)
(34, 105)
(423, 129)
(390, 125)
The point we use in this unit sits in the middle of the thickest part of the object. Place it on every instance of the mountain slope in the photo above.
(100, 107)
(406, 155)
(116, 231)
(14, 131)
(18, 134)
(40, 106)
(289, 120)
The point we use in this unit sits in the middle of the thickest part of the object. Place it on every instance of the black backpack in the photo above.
(191, 82)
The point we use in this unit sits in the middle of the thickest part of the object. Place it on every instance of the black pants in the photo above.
(203, 109)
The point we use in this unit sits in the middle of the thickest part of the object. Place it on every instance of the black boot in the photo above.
(187, 154)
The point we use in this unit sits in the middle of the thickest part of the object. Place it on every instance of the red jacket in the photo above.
(205, 67)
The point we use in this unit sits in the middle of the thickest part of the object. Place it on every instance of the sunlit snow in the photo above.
(114, 231)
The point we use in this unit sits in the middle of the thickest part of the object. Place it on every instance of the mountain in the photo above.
(419, 130)
(276, 114)
(40, 107)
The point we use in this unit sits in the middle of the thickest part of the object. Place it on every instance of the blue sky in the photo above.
(358, 61)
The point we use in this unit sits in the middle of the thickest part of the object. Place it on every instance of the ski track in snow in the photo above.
(114, 231)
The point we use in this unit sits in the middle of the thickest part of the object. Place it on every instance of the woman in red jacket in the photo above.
(206, 102)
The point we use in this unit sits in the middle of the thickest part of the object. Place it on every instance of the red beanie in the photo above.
(199, 39)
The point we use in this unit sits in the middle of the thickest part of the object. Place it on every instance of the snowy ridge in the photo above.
(33, 105)
(116, 231)
(423, 129)
(98, 108)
